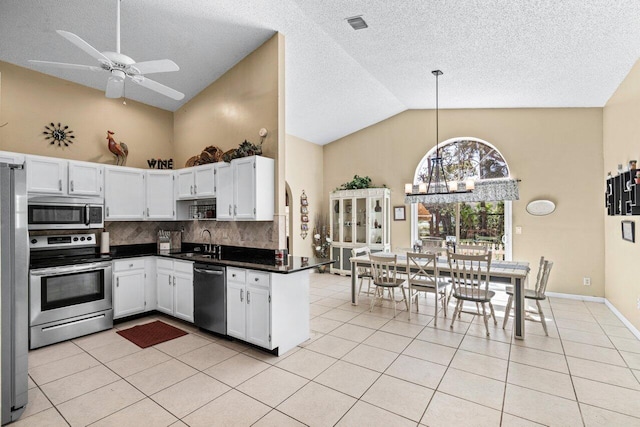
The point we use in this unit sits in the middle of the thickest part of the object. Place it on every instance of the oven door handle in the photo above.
(75, 269)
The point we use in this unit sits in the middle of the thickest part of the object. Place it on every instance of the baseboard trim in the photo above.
(623, 319)
(575, 297)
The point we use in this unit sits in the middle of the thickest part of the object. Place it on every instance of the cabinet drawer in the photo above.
(183, 266)
(257, 278)
(164, 263)
(236, 275)
(128, 264)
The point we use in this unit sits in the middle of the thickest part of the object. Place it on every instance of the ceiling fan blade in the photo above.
(115, 87)
(67, 66)
(157, 87)
(158, 66)
(84, 46)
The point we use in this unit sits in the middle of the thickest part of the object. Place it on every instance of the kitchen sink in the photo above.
(197, 255)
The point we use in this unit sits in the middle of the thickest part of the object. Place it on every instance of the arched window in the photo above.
(470, 222)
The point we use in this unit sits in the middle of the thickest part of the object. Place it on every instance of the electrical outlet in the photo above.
(518, 230)
(638, 302)
(586, 281)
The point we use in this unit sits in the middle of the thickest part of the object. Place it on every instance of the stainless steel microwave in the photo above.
(57, 213)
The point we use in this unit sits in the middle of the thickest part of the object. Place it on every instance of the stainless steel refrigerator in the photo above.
(14, 258)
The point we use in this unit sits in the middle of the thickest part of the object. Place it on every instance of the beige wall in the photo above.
(621, 135)
(234, 108)
(31, 100)
(304, 172)
(556, 152)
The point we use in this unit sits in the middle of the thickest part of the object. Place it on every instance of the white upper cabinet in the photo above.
(124, 194)
(14, 158)
(197, 182)
(51, 176)
(224, 196)
(46, 175)
(246, 192)
(86, 179)
(160, 200)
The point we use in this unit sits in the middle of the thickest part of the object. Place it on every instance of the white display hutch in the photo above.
(358, 218)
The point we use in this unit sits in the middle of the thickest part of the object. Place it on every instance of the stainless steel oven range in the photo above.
(69, 288)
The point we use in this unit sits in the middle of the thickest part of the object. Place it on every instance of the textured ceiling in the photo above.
(494, 53)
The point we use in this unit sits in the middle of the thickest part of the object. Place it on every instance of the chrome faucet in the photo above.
(208, 247)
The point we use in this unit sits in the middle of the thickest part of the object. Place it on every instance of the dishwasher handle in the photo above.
(212, 272)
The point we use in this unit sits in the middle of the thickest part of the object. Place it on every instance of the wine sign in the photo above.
(160, 164)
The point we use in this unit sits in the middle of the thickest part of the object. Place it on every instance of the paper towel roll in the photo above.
(104, 243)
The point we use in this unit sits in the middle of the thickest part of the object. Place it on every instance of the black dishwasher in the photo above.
(210, 298)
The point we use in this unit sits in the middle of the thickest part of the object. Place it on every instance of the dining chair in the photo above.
(385, 276)
(471, 249)
(470, 281)
(363, 272)
(537, 294)
(422, 272)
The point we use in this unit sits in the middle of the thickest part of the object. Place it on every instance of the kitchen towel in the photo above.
(104, 242)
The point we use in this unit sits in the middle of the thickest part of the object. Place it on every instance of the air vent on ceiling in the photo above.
(357, 23)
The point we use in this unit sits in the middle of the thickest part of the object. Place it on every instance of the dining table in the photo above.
(508, 272)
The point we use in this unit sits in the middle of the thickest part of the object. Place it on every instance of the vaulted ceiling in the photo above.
(494, 54)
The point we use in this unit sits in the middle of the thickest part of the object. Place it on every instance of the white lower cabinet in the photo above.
(249, 306)
(131, 286)
(174, 280)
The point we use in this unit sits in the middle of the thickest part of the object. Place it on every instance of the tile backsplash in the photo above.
(250, 234)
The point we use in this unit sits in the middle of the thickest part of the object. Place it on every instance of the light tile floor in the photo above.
(358, 369)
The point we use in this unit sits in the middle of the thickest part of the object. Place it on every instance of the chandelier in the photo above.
(438, 189)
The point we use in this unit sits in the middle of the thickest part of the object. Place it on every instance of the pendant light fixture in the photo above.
(438, 190)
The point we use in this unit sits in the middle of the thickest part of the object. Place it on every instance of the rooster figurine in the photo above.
(120, 150)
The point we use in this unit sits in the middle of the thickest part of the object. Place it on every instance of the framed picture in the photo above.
(304, 218)
(629, 231)
(304, 227)
(304, 202)
(304, 210)
(399, 213)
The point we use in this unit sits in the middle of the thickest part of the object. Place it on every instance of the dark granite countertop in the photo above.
(251, 258)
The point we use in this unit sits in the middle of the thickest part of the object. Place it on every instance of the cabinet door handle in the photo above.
(107, 210)
(257, 279)
(118, 282)
(191, 189)
(147, 211)
(169, 280)
(71, 184)
(241, 293)
(248, 297)
(174, 280)
(60, 184)
(195, 189)
(235, 209)
(229, 210)
(130, 265)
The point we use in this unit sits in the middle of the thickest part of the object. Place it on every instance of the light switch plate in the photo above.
(518, 230)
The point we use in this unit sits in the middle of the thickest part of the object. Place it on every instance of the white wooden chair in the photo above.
(363, 272)
(422, 272)
(470, 281)
(385, 276)
(537, 294)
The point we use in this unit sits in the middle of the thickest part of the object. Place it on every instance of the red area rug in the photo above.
(151, 333)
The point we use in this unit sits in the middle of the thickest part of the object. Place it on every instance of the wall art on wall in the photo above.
(304, 218)
(629, 231)
(160, 163)
(58, 134)
(399, 213)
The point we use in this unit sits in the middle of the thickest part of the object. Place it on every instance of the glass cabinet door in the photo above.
(361, 220)
(376, 219)
(335, 226)
(347, 221)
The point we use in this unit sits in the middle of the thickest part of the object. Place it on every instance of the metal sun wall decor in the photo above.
(304, 215)
(58, 134)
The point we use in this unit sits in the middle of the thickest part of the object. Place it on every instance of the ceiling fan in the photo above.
(120, 66)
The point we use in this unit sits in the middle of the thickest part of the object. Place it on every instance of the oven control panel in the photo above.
(62, 241)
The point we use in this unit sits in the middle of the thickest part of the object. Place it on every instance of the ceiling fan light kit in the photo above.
(120, 66)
